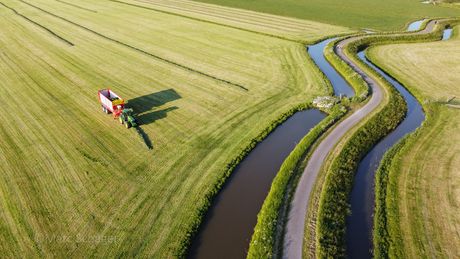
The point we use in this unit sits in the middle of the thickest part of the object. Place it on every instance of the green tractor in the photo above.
(126, 117)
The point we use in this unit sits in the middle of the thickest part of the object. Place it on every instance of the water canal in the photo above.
(361, 222)
(338, 83)
(228, 226)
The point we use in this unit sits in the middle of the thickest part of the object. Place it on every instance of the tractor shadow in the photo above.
(143, 106)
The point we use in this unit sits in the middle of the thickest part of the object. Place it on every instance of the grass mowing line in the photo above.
(202, 20)
(139, 50)
(39, 25)
(77, 6)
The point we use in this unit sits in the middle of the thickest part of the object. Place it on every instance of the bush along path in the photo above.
(333, 207)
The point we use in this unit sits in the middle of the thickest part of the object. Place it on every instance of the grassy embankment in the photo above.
(417, 186)
(203, 93)
(370, 14)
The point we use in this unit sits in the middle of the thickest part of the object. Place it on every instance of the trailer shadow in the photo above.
(143, 107)
(148, 102)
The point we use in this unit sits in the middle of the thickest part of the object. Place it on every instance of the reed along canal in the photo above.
(229, 224)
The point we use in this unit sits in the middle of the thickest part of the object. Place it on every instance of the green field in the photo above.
(424, 197)
(370, 14)
(201, 92)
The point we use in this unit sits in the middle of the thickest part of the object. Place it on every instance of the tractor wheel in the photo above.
(104, 109)
(120, 119)
(128, 125)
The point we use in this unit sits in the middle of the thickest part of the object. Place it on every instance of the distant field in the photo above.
(290, 28)
(201, 91)
(428, 189)
(371, 14)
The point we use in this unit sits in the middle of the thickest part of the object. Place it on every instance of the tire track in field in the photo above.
(139, 50)
(39, 25)
(89, 10)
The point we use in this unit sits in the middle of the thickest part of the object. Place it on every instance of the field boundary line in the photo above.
(39, 25)
(139, 50)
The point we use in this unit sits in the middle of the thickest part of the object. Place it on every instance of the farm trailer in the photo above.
(113, 103)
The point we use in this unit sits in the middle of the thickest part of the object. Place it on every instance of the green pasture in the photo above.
(201, 92)
(423, 194)
(369, 14)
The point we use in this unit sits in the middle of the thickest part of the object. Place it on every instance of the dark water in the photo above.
(361, 222)
(229, 224)
(338, 83)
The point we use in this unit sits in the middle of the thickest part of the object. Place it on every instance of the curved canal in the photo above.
(361, 222)
(229, 224)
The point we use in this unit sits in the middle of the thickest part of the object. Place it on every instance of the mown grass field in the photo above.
(425, 196)
(370, 14)
(201, 92)
(278, 26)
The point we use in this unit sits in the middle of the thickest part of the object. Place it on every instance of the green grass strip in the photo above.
(354, 79)
(380, 231)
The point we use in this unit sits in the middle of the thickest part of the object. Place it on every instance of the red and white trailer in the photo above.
(110, 101)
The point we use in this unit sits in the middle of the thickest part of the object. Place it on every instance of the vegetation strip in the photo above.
(351, 76)
(39, 25)
(139, 50)
(263, 241)
(89, 10)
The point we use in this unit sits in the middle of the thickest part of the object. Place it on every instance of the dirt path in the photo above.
(296, 222)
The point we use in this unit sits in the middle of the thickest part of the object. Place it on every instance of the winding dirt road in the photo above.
(296, 222)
